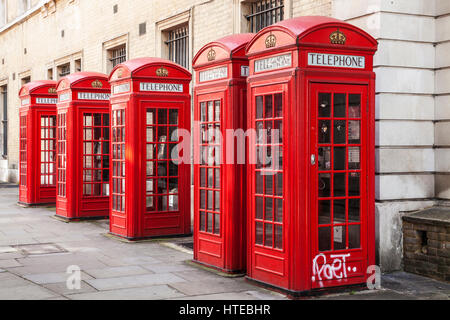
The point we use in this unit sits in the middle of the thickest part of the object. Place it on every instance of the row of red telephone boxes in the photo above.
(103, 146)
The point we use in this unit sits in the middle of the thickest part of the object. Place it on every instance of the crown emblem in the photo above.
(162, 72)
(338, 37)
(271, 41)
(96, 84)
(211, 55)
(51, 90)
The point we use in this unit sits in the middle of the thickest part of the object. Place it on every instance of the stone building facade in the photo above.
(46, 39)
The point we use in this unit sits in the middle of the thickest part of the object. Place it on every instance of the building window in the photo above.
(63, 70)
(4, 108)
(25, 80)
(264, 13)
(117, 55)
(50, 73)
(78, 65)
(178, 45)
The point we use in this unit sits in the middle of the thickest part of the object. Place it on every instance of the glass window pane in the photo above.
(339, 158)
(324, 185)
(203, 199)
(202, 221)
(173, 185)
(210, 222)
(217, 178)
(324, 105)
(324, 158)
(259, 208)
(339, 185)
(217, 200)
(354, 183)
(339, 237)
(353, 158)
(339, 211)
(202, 177)
(354, 210)
(217, 110)
(278, 105)
(210, 177)
(268, 106)
(268, 209)
(354, 132)
(173, 202)
(268, 185)
(217, 224)
(354, 106)
(210, 111)
(279, 184)
(278, 237)
(203, 111)
(259, 107)
(278, 125)
(324, 238)
(324, 212)
(339, 132)
(268, 235)
(339, 105)
(259, 182)
(173, 116)
(324, 131)
(354, 236)
(162, 116)
(210, 199)
(279, 210)
(259, 233)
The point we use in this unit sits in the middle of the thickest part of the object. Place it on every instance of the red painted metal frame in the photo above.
(133, 221)
(291, 268)
(223, 247)
(71, 203)
(35, 189)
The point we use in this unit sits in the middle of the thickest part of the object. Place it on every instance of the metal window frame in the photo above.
(62, 71)
(265, 13)
(178, 45)
(117, 55)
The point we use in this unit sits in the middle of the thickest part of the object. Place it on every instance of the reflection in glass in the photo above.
(269, 209)
(339, 237)
(354, 132)
(217, 178)
(324, 105)
(339, 211)
(353, 158)
(202, 221)
(354, 184)
(210, 111)
(278, 105)
(268, 107)
(278, 237)
(354, 236)
(203, 199)
(268, 186)
(354, 210)
(324, 131)
(259, 233)
(324, 212)
(217, 110)
(339, 105)
(217, 224)
(279, 184)
(210, 199)
(202, 177)
(324, 158)
(279, 210)
(173, 116)
(354, 106)
(210, 178)
(268, 235)
(259, 107)
(210, 222)
(324, 238)
(217, 200)
(339, 185)
(259, 182)
(324, 185)
(203, 111)
(259, 208)
(339, 132)
(339, 158)
(162, 116)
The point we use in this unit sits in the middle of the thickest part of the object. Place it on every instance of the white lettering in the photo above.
(64, 97)
(161, 87)
(273, 63)
(93, 96)
(336, 270)
(336, 60)
(46, 100)
(213, 74)
(121, 88)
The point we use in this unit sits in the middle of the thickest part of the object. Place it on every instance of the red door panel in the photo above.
(339, 204)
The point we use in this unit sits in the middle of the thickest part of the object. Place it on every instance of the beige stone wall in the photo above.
(311, 8)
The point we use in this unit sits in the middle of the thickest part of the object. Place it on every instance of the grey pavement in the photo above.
(36, 250)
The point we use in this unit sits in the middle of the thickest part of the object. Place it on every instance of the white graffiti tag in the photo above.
(336, 270)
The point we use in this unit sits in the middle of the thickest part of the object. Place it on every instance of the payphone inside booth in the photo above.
(37, 145)
(151, 119)
(311, 190)
(219, 182)
(83, 140)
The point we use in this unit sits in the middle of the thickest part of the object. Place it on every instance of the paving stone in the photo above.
(197, 275)
(168, 267)
(145, 293)
(211, 286)
(117, 272)
(1, 270)
(27, 292)
(140, 260)
(61, 288)
(134, 281)
(246, 295)
(46, 278)
(9, 263)
(7, 250)
(9, 280)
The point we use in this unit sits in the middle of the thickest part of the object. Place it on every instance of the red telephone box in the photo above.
(219, 183)
(83, 146)
(311, 193)
(150, 107)
(37, 145)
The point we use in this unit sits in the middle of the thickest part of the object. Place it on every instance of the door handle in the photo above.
(313, 159)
